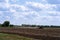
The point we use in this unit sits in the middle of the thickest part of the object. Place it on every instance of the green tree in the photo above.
(11, 25)
(6, 24)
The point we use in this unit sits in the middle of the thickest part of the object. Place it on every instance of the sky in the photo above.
(37, 12)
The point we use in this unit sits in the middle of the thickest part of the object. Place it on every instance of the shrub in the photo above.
(11, 25)
(40, 27)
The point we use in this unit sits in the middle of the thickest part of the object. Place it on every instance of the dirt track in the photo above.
(44, 34)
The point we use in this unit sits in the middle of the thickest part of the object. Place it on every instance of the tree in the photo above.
(11, 25)
(6, 24)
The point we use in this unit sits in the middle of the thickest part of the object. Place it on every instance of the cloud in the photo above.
(47, 14)
(7, 18)
(1, 13)
(13, 0)
(42, 6)
(31, 12)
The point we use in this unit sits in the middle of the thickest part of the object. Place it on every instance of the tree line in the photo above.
(7, 24)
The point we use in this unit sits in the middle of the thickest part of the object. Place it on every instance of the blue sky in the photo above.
(39, 12)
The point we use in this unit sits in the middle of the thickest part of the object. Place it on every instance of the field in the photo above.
(36, 33)
(13, 37)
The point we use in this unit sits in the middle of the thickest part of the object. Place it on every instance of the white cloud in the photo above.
(7, 18)
(54, 12)
(1, 12)
(5, 4)
(6, 1)
(8, 5)
(47, 9)
(21, 7)
(26, 14)
(12, 10)
(42, 6)
(14, 0)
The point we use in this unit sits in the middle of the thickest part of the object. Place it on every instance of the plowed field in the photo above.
(44, 34)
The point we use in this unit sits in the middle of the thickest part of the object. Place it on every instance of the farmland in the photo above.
(44, 34)
(4, 36)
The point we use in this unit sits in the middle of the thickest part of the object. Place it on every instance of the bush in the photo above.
(40, 27)
(11, 25)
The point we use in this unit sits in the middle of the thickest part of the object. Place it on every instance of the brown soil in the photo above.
(44, 34)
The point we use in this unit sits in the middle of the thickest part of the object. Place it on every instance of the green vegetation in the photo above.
(6, 24)
(12, 37)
